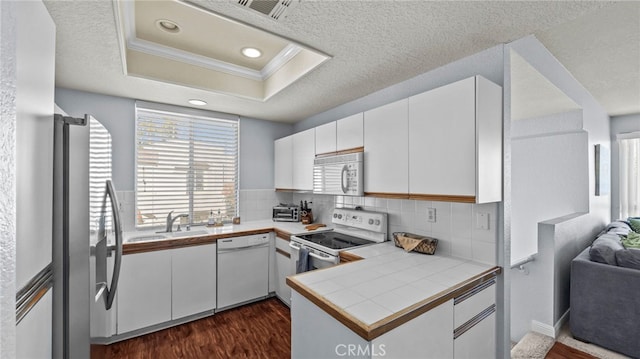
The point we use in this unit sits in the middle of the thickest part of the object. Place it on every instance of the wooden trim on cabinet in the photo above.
(280, 251)
(442, 198)
(285, 190)
(346, 257)
(387, 195)
(341, 152)
(282, 234)
(141, 247)
(374, 330)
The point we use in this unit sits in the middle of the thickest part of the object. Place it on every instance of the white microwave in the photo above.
(339, 174)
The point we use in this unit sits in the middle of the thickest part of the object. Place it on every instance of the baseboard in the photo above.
(544, 329)
(563, 319)
(548, 330)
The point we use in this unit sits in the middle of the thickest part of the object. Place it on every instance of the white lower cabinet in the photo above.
(479, 342)
(316, 334)
(144, 290)
(283, 270)
(193, 278)
(475, 323)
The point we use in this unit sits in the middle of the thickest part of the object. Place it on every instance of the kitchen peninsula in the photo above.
(395, 304)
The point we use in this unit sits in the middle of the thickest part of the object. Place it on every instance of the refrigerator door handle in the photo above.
(111, 292)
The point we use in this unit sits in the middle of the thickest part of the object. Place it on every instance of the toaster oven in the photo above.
(286, 213)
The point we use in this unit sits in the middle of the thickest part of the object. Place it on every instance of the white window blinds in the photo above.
(186, 162)
(99, 171)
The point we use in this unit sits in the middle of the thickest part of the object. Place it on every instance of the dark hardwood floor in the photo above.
(561, 351)
(258, 330)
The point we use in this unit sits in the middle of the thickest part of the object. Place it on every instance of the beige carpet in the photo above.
(534, 345)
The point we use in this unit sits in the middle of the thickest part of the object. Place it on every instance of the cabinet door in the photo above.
(283, 163)
(283, 270)
(304, 150)
(350, 132)
(386, 158)
(326, 138)
(193, 280)
(284, 266)
(442, 140)
(479, 342)
(144, 290)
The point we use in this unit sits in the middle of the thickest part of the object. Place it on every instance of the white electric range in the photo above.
(353, 228)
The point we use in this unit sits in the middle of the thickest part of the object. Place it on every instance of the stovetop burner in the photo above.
(334, 240)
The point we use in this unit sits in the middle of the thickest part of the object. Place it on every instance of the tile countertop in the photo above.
(387, 285)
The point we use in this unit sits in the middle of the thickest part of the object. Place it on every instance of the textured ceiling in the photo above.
(374, 44)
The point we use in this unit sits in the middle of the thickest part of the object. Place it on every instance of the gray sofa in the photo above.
(605, 297)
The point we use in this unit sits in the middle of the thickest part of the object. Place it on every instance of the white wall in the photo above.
(595, 126)
(549, 175)
(618, 125)
(8, 118)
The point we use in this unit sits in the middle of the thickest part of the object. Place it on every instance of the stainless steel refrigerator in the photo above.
(87, 236)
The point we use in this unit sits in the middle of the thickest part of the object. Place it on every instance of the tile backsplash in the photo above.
(456, 224)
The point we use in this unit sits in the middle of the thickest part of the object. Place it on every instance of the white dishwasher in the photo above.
(243, 269)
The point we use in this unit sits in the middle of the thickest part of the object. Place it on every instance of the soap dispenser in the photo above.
(211, 221)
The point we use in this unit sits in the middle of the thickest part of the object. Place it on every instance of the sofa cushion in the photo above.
(604, 248)
(628, 258)
(635, 223)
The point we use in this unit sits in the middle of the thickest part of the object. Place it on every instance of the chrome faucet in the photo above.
(171, 220)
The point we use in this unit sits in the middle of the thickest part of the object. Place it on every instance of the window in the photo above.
(186, 162)
(629, 154)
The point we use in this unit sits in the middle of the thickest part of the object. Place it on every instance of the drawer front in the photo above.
(474, 301)
(282, 245)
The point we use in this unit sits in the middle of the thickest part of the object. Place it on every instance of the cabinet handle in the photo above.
(474, 321)
(475, 290)
(280, 251)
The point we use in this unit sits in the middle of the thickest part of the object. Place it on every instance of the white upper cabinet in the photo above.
(326, 138)
(283, 163)
(386, 158)
(303, 156)
(350, 132)
(455, 142)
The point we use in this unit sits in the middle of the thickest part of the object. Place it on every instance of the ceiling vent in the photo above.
(274, 9)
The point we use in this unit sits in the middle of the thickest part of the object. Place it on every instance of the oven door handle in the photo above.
(324, 259)
(292, 246)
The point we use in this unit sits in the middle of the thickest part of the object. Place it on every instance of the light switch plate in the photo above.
(431, 215)
(482, 221)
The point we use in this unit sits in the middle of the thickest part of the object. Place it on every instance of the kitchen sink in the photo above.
(147, 237)
(198, 232)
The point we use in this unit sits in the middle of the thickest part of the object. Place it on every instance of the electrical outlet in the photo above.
(431, 215)
(482, 221)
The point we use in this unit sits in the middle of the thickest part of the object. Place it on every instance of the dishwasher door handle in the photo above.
(241, 248)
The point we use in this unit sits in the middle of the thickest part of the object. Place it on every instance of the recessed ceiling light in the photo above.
(251, 52)
(168, 26)
(197, 102)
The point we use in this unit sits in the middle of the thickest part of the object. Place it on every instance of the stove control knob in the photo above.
(370, 221)
(377, 222)
(335, 215)
(339, 216)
